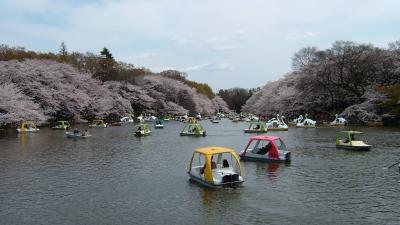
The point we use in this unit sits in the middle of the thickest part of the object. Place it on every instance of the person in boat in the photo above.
(85, 133)
(348, 139)
(76, 131)
(265, 149)
(139, 128)
(257, 127)
(213, 165)
(225, 164)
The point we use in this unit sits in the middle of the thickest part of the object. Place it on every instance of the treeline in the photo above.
(103, 66)
(201, 88)
(236, 97)
(325, 82)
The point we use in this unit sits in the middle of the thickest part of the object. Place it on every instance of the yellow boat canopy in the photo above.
(214, 150)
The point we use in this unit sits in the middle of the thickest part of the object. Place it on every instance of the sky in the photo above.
(225, 43)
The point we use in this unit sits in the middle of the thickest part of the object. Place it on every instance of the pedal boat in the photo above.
(266, 149)
(215, 167)
(62, 125)
(305, 122)
(193, 129)
(346, 140)
(98, 124)
(27, 127)
(79, 135)
(126, 119)
(159, 124)
(277, 124)
(338, 121)
(215, 120)
(256, 127)
(142, 130)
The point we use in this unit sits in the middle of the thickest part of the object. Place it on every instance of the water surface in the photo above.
(117, 178)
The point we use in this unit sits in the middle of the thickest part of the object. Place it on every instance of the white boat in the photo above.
(159, 124)
(126, 119)
(277, 124)
(71, 134)
(305, 122)
(339, 121)
(215, 119)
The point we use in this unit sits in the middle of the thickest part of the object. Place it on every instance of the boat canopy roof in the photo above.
(142, 125)
(351, 132)
(265, 138)
(214, 150)
(99, 120)
(30, 122)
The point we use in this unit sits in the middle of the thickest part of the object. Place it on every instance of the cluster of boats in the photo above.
(278, 124)
(220, 166)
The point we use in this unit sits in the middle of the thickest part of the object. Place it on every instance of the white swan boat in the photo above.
(277, 124)
(339, 121)
(305, 122)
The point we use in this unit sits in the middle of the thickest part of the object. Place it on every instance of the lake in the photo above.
(117, 178)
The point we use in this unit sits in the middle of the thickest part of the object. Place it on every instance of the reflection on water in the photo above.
(117, 178)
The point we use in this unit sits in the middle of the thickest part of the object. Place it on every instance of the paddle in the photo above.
(391, 165)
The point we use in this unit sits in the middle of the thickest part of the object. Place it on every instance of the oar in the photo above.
(391, 165)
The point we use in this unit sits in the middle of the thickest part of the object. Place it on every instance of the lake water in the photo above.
(117, 178)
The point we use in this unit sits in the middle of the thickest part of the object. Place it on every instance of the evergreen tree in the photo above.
(63, 50)
(106, 53)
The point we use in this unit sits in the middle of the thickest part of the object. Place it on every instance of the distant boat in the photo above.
(142, 130)
(71, 134)
(62, 125)
(98, 124)
(277, 124)
(159, 124)
(193, 129)
(347, 140)
(256, 127)
(126, 119)
(305, 122)
(27, 127)
(339, 121)
(215, 119)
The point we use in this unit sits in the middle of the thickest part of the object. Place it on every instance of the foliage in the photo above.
(392, 105)
(201, 88)
(325, 82)
(236, 97)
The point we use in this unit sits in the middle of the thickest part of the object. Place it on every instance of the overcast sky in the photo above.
(225, 43)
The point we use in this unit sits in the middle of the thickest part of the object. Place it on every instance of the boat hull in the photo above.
(33, 130)
(72, 135)
(206, 184)
(139, 134)
(355, 148)
(255, 131)
(249, 158)
(278, 129)
(61, 128)
(192, 134)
